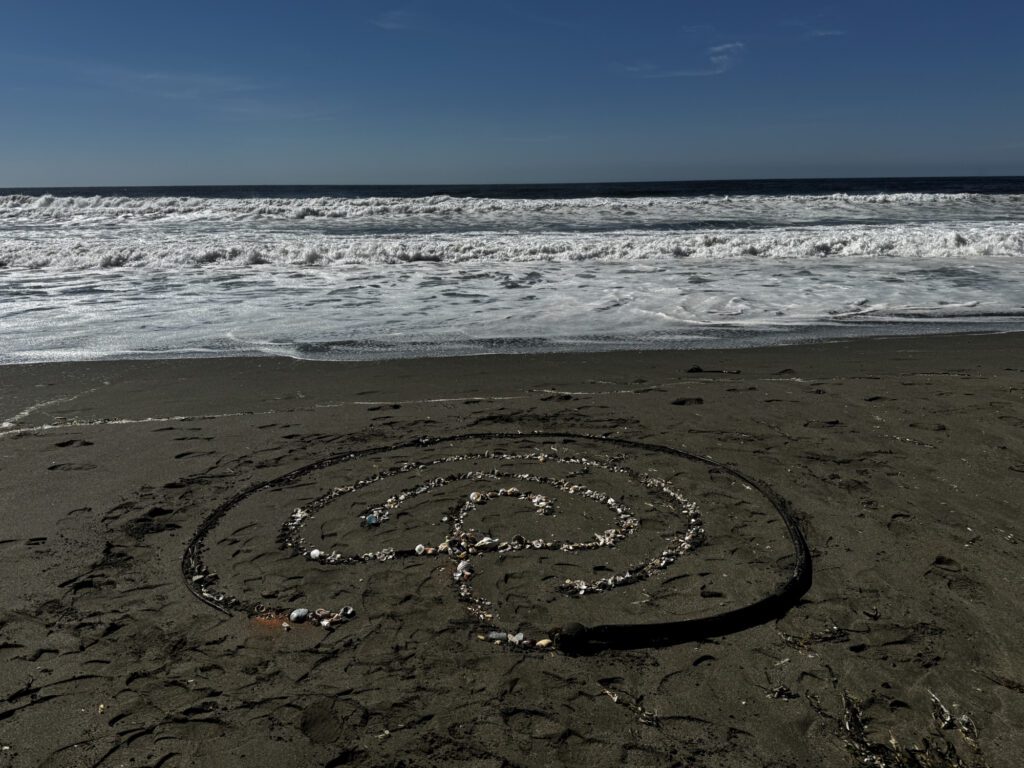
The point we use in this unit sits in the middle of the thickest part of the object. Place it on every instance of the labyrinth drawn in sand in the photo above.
(516, 529)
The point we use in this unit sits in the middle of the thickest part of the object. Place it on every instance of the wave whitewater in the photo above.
(966, 242)
(51, 208)
(92, 276)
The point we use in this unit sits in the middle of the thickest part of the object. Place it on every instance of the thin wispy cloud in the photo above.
(819, 27)
(176, 86)
(214, 94)
(719, 60)
(826, 33)
(724, 56)
(395, 20)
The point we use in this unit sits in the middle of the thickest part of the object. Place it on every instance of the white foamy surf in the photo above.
(97, 276)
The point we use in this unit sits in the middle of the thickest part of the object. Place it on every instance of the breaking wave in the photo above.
(165, 250)
(88, 277)
(28, 209)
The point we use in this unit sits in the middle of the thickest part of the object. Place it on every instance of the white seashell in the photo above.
(475, 497)
(299, 615)
(544, 643)
(314, 554)
(420, 549)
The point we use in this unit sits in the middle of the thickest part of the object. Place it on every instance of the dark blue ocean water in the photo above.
(988, 185)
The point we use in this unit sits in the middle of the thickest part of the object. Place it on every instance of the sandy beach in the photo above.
(902, 460)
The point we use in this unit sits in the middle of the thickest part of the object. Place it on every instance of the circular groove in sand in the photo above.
(461, 543)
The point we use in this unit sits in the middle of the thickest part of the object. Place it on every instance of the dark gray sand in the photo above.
(903, 460)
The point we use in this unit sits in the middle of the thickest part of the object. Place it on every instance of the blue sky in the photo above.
(118, 93)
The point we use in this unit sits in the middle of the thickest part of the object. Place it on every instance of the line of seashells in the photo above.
(322, 616)
(462, 543)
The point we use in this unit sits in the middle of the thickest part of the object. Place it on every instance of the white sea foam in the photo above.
(27, 209)
(94, 277)
(162, 250)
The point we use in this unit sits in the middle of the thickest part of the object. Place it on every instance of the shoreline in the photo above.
(499, 347)
(461, 373)
(898, 456)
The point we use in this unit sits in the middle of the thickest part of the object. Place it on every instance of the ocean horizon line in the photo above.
(670, 186)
